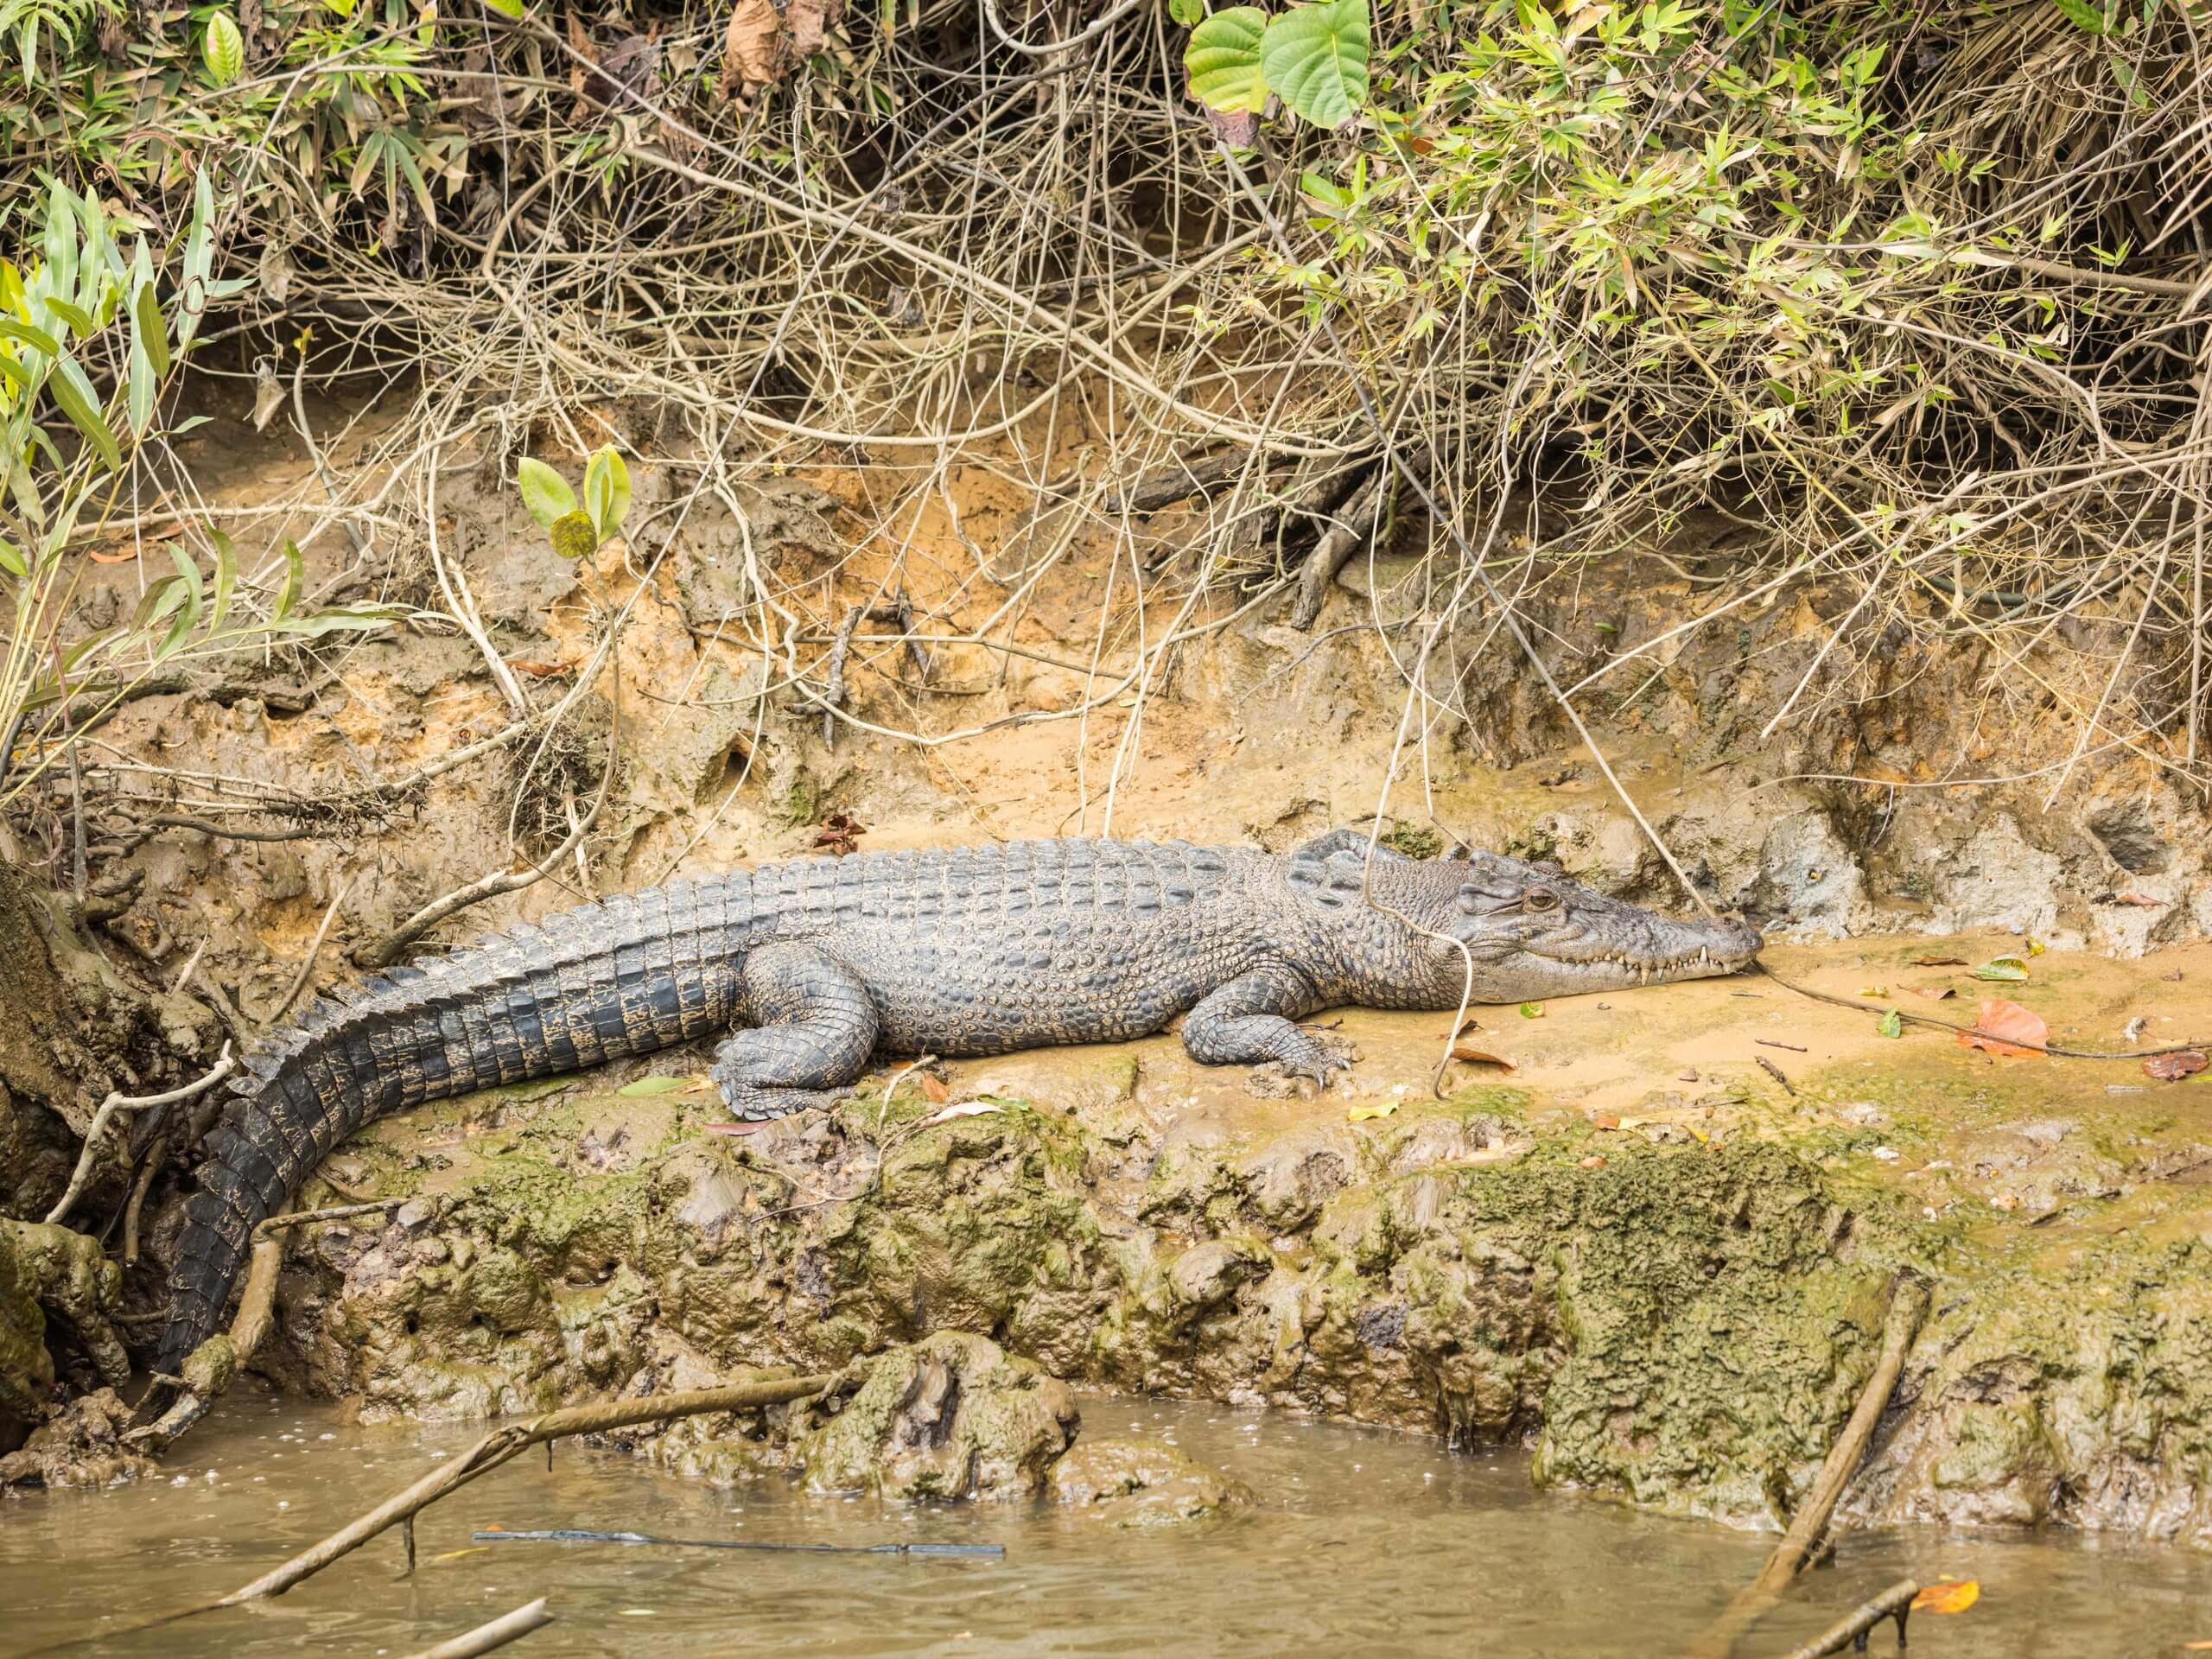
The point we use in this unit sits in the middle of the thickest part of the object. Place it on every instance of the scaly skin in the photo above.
(817, 964)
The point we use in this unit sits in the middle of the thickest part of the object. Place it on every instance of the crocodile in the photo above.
(806, 969)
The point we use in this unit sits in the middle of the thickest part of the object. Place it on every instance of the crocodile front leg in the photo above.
(813, 1024)
(1248, 1021)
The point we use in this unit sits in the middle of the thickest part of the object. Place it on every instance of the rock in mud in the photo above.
(948, 1418)
(82, 1447)
(1140, 1483)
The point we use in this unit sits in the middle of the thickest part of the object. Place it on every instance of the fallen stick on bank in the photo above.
(1907, 1305)
(211, 1367)
(508, 1627)
(1896, 1602)
(581, 1535)
(509, 1441)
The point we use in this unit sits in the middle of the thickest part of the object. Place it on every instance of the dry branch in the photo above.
(509, 1441)
(224, 1063)
(1908, 1306)
(508, 1627)
(1896, 1602)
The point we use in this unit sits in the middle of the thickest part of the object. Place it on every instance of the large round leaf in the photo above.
(1315, 59)
(1223, 59)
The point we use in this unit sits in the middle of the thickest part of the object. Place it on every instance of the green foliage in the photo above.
(72, 310)
(223, 50)
(1313, 57)
(577, 532)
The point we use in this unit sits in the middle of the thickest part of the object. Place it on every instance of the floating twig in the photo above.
(581, 1535)
(508, 1627)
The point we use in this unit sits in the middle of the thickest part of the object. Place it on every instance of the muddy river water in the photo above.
(1358, 1544)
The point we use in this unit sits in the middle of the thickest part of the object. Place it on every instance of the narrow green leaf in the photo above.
(607, 491)
(1223, 60)
(37, 339)
(226, 579)
(1315, 58)
(76, 398)
(288, 596)
(361, 618)
(194, 603)
(544, 491)
(79, 320)
(14, 374)
(505, 8)
(12, 559)
(153, 330)
(139, 390)
(644, 1086)
(157, 602)
(223, 50)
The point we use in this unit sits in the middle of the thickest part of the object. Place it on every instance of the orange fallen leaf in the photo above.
(2143, 899)
(1933, 993)
(2003, 1027)
(1606, 1120)
(1949, 1596)
(2172, 1068)
(936, 1090)
(1595, 1161)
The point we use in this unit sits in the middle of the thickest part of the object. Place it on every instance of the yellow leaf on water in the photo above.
(1949, 1596)
(1372, 1109)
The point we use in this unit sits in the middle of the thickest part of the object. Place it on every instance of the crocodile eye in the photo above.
(1540, 898)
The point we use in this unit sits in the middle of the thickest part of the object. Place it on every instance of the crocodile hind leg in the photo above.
(1249, 1022)
(812, 1023)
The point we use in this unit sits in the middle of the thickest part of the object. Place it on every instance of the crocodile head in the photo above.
(1532, 933)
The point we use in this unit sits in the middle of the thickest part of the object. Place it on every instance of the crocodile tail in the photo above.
(292, 1104)
(638, 973)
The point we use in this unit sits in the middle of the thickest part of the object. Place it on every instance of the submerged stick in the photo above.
(508, 1627)
(507, 1442)
(1896, 1602)
(1907, 1305)
(584, 1535)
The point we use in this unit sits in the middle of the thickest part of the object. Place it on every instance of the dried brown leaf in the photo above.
(2002, 1027)
(2172, 1068)
(1933, 993)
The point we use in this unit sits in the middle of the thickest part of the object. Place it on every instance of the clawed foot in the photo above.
(1308, 1070)
(752, 1102)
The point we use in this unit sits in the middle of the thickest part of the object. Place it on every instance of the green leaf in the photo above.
(223, 50)
(1315, 58)
(2011, 968)
(226, 579)
(35, 338)
(152, 330)
(364, 617)
(77, 399)
(2083, 14)
(140, 398)
(14, 374)
(12, 559)
(195, 602)
(294, 577)
(644, 1086)
(1892, 1025)
(1223, 60)
(79, 320)
(1532, 1010)
(544, 491)
(607, 491)
(505, 8)
(1189, 13)
(573, 535)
